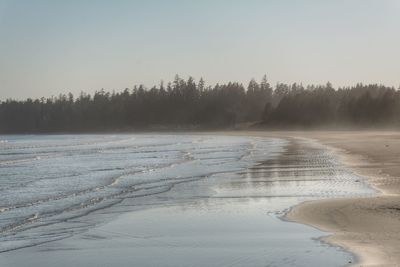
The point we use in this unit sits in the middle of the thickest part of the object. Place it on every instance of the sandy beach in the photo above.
(369, 227)
(234, 211)
(217, 200)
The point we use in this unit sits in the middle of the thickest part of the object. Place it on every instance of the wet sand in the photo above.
(368, 226)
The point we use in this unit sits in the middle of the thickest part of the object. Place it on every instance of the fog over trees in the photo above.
(187, 104)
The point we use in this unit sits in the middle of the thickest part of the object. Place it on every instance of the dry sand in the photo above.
(369, 227)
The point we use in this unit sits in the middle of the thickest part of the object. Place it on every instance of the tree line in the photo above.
(357, 106)
(187, 104)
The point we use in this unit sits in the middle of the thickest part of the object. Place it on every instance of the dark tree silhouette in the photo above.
(361, 105)
(185, 104)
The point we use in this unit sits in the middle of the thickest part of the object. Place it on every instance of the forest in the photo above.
(190, 105)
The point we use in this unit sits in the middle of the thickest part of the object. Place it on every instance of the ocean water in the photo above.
(165, 200)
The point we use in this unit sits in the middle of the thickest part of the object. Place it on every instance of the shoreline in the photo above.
(366, 226)
(222, 216)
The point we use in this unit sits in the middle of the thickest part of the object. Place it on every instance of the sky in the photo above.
(48, 47)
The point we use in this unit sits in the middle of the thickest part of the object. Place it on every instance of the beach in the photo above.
(369, 227)
(189, 199)
(232, 196)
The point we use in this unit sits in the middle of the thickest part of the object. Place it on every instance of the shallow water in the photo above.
(198, 200)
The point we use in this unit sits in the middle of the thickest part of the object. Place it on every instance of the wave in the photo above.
(64, 180)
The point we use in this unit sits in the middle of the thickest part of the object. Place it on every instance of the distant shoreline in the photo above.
(236, 130)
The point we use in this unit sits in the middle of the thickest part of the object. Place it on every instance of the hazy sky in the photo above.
(54, 46)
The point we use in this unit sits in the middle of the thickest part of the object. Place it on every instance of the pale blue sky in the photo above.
(51, 47)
